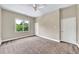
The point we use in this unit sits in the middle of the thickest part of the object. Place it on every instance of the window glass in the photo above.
(26, 25)
(22, 25)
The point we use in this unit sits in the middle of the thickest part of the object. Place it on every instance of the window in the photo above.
(22, 25)
(26, 24)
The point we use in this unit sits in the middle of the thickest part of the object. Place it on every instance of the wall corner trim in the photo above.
(0, 41)
(48, 38)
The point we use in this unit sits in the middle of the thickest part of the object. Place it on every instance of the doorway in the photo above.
(68, 30)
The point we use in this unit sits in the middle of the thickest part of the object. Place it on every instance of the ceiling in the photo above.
(27, 9)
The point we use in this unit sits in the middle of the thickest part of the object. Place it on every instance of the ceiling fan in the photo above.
(38, 6)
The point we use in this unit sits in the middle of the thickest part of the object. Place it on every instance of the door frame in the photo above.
(60, 24)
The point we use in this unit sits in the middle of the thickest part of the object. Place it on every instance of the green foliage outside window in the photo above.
(25, 27)
(22, 26)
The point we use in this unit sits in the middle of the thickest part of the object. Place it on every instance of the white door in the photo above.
(68, 30)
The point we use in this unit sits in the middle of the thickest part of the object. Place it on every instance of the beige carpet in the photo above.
(37, 45)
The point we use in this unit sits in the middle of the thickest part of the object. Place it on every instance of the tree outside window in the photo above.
(22, 25)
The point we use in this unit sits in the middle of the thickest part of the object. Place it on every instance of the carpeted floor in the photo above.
(37, 45)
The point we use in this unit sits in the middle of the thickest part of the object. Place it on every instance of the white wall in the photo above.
(77, 11)
(8, 25)
(47, 26)
(0, 26)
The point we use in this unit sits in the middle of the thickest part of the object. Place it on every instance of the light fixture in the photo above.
(35, 7)
(38, 6)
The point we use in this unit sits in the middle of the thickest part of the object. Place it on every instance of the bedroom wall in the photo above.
(47, 26)
(0, 26)
(8, 25)
(68, 12)
(77, 13)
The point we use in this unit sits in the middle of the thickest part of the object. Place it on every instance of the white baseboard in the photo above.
(48, 38)
(16, 38)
